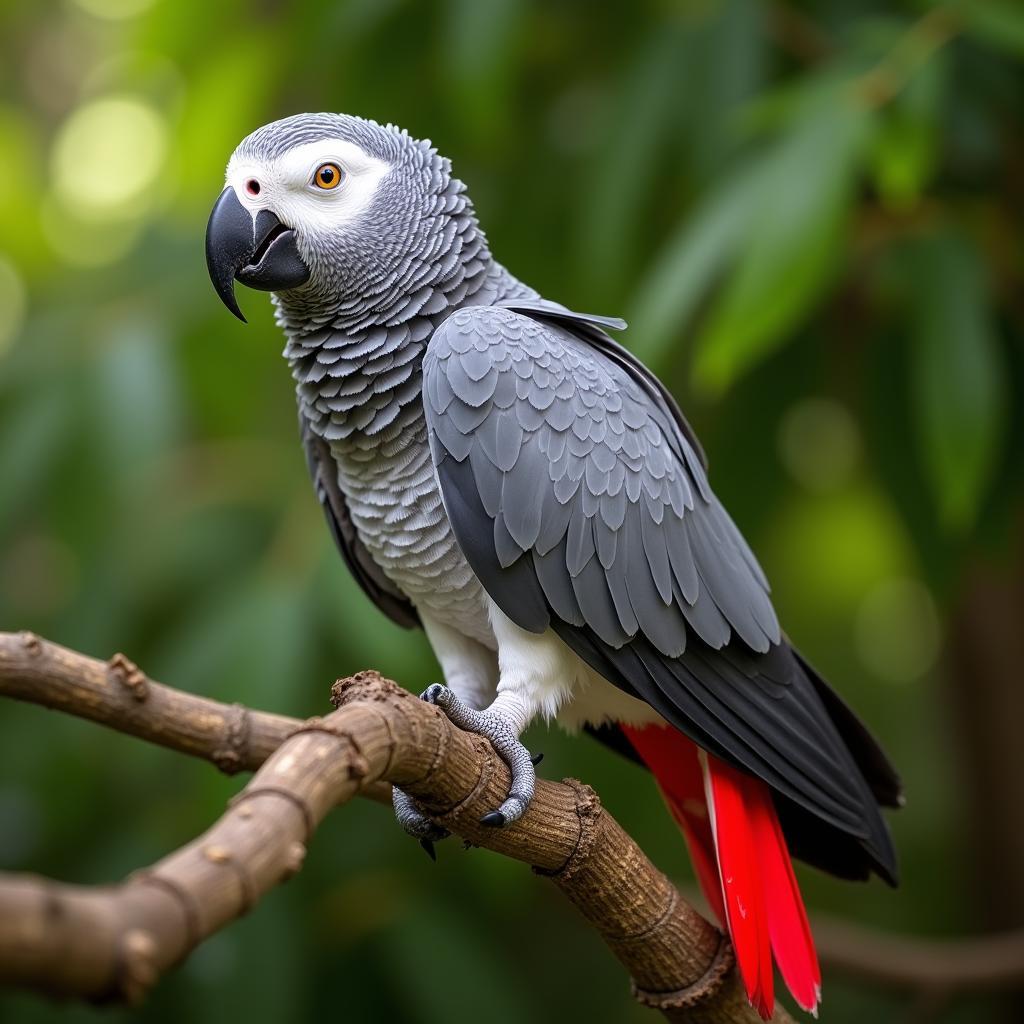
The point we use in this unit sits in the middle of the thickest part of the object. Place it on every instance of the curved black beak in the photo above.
(258, 251)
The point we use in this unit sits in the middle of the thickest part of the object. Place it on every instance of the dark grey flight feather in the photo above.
(582, 504)
(384, 594)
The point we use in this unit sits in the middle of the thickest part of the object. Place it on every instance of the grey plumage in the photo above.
(648, 579)
(380, 589)
(470, 440)
(556, 434)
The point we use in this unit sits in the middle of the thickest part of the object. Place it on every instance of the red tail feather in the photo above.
(741, 861)
(742, 882)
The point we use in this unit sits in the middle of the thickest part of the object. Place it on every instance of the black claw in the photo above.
(428, 846)
(536, 759)
(431, 692)
(493, 819)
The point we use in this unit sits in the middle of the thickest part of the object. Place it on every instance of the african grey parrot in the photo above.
(499, 471)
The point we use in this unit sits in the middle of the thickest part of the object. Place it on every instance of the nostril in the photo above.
(252, 187)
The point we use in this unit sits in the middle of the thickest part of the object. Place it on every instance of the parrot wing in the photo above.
(381, 590)
(593, 328)
(582, 505)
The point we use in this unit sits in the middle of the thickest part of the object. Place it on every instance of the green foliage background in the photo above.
(809, 212)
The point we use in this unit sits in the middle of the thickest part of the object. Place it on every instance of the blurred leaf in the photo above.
(224, 102)
(727, 63)
(790, 247)
(427, 992)
(838, 546)
(19, 187)
(32, 442)
(999, 22)
(958, 375)
(905, 147)
(687, 266)
(682, 88)
(624, 165)
(137, 397)
(249, 642)
(480, 41)
(360, 18)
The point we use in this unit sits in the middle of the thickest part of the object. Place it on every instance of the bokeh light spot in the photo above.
(84, 243)
(819, 443)
(12, 303)
(897, 630)
(837, 547)
(114, 9)
(107, 154)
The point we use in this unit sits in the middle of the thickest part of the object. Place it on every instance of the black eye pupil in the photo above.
(327, 175)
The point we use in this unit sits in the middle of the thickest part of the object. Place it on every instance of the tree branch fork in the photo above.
(113, 943)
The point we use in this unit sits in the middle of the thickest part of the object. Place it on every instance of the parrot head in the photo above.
(318, 207)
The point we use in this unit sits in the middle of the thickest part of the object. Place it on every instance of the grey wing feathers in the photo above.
(585, 324)
(381, 590)
(580, 468)
(581, 503)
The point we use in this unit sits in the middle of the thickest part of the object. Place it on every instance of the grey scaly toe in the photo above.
(506, 743)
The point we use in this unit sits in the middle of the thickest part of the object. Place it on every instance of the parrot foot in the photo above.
(505, 740)
(416, 823)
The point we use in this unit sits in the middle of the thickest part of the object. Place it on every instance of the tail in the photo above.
(741, 861)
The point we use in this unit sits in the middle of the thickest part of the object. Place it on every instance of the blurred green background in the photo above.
(810, 214)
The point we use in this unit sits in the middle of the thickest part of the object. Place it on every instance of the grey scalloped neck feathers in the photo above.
(357, 330)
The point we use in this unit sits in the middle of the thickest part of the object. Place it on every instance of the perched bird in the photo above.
(499, 471)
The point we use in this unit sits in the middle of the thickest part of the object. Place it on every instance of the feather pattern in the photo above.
(472, 442)
(656, 590)
(566, 391)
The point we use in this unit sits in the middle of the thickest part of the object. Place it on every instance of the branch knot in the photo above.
(129, 675)
(31, 643)
(704, 988)
(365, 685)
(588, 812)
(138, 971)
(232, 756)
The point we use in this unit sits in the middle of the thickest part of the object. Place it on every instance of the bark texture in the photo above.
(114, 943)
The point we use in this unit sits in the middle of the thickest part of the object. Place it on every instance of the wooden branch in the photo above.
(128, 935)
(982, 963)
(116, 693)
(114, 943)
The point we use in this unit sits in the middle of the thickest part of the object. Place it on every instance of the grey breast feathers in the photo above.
(375, 584)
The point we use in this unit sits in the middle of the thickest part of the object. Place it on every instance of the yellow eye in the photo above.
(327, 176)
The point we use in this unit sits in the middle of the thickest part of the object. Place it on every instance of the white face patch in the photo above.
(286, 186)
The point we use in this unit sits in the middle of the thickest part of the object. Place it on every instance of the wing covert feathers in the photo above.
(585, 474)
